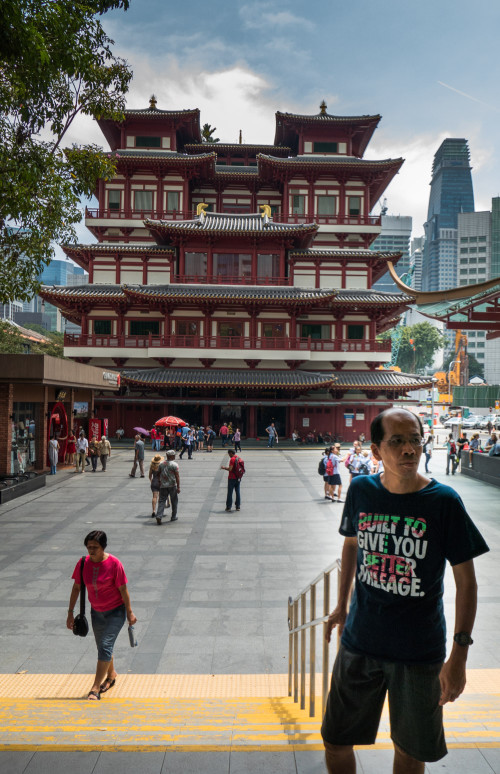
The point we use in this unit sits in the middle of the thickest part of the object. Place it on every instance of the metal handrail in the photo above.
(296, 628)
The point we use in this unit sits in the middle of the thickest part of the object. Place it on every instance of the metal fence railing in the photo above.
(303, 619)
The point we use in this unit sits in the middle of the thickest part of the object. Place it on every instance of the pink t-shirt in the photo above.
(102, 580)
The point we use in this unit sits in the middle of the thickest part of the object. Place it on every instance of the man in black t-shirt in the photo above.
(400, 528)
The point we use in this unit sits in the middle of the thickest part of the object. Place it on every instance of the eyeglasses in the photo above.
(398, 443)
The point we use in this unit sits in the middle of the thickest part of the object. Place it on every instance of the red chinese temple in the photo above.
(232, 282)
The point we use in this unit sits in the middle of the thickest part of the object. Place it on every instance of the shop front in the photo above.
(43, 397)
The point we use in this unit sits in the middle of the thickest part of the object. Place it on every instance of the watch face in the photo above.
(463, 639)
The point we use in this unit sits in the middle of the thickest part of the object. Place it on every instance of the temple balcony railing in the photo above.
(225, 279)
(248, 343)
(104, 213)
(329, 220)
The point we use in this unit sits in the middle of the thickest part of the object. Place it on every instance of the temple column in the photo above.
(310, 203)
(282, 262)
(252, 422)
(182, 262)
(254, 263)
(145, 260)
(127, 204)
(210, 262)
(6, 409)
(159, 196)
(101, 195)
(185, 199)
(285, 205)
(205, 415)
(85, 324)
(118, 260)
(342, 203)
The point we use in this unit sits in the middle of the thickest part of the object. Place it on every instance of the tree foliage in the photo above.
(427, 340)
(475, 368)
(55, 63)
(12, 341)
(207, 133)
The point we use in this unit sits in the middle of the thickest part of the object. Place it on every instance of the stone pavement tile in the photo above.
(129, 763)
(462, 762)
(310, 762)
(14, 762)
(374, 761)
(493, 758)
(62, 763)
(195, 763)
(268, 762)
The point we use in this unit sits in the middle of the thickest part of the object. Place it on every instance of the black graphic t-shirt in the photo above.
(403, 543)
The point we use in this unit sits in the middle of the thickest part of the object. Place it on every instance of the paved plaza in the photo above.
(206, 688)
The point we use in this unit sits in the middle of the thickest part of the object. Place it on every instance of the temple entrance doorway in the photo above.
(230, 414)
(268, 414)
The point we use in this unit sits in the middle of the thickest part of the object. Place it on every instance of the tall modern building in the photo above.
(394, 237)
(416, 258)
(478, 260)
(451, 194)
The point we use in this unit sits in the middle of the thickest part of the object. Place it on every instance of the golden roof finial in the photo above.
(266, 210)
(152, 102)
(200, 209)
(322, 108)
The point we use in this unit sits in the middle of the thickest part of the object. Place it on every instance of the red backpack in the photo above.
(239, 468)
(329, 467)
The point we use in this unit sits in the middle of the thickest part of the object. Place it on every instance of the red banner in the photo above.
(95, 428)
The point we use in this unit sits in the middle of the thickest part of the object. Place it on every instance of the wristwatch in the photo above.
(463, 639)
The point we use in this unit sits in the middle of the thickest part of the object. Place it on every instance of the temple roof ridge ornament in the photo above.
(436, 296)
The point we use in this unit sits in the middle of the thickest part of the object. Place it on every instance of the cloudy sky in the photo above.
(429, 67)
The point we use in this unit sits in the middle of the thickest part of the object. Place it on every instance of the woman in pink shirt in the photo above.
(106, 583)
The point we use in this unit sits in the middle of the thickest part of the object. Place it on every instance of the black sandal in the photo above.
(103, 688)
(96, 694)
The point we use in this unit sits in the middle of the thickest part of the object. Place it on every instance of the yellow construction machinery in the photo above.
(458, 368)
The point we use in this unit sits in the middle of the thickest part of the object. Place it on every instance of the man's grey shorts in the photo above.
(356, 699)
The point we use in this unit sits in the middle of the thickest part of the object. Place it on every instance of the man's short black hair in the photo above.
(231, 452)
(377, 427)
(97, 535)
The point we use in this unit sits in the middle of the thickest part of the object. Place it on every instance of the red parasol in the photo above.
(170, 422)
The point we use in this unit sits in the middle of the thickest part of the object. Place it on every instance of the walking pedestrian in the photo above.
(201, 437)
(237, 439)
(187, 444)
(53, 455)
(272, 433)
(393, 639)
(82, 446)
(94, 453)
(71, 449)
(209, 439)
(170, 486)
(236, 469)
(451, 455)
(428, 452)
(154, 480)
(106, 582)
(138, 457)
(104, 452)
(153, 436)
(223, 432)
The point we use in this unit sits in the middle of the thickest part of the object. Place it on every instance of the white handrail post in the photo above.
(312, 652)
(326, 611)
(303, 651)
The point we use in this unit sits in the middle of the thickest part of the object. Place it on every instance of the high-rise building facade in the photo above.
(394, 237)
(478, 243)
(451, 194)
(416, 258)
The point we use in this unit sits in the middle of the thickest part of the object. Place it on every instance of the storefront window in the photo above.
(23, 438)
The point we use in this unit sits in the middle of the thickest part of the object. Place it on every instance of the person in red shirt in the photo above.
(233, 482)
(106, 583)
(153, 436)
(223, 432)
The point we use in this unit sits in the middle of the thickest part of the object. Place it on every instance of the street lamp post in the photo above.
(434, 380)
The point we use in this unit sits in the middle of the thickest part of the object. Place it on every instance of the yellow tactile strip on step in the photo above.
(134, 686)
(32, 686)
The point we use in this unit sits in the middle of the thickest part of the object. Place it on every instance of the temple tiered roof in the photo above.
(359, 128)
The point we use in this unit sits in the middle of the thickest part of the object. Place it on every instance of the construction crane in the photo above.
(458, 367)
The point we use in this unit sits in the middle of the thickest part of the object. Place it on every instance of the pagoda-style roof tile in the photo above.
(119, 247)
(227, 169)
(207, 147)
(342, 252)
(173, 157)
(211, 377)
(327, 118)
(82, 292)
(380, 379)
(232, 293)
(335, 160)
(150, 112)
(298, 379)
(233, 224)
(379, 297)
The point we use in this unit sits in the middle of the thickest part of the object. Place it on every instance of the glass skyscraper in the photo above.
(451, 193)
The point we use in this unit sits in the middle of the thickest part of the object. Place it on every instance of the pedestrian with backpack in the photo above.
(451, 455)
(236, 471)
(170, 486)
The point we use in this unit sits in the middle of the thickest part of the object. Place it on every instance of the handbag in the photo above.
(80, 624)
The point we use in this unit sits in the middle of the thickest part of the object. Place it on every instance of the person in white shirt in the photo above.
(82, 446)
